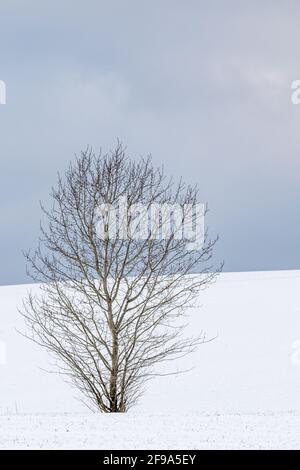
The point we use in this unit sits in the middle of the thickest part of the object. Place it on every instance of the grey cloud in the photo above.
(203, 86)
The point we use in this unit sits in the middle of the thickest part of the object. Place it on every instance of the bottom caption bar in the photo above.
(138, 458)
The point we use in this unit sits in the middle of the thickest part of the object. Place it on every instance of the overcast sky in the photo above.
(205, 87)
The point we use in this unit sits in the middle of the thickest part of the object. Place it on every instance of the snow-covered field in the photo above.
(243, 391)
(151, 431)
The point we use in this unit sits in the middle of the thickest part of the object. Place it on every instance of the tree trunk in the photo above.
(114, 374)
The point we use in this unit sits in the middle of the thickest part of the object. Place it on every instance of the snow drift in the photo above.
(253, 364)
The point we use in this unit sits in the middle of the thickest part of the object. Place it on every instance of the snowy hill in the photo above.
(252, 366)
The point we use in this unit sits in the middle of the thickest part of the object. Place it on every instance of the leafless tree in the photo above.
(110, 305)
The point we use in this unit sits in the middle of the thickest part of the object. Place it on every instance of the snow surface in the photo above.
(151, 431)
(243, 391)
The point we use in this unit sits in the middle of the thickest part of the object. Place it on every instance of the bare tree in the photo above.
(110, 302)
